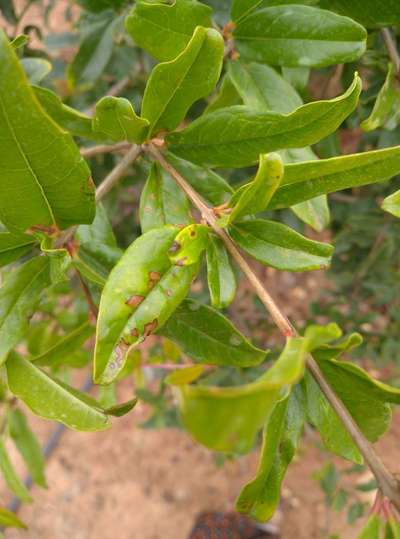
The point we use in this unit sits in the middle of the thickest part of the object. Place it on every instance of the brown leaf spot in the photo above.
(150, 327)
(134, 333)
(134, 301)
(181, 261)
(174, 247)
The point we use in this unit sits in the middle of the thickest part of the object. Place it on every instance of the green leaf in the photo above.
(33, 166)
(313, 212)
(260, 497)
(242, 8)
(13, 246)
(226, 96)
(206, 336)
(71, 120)
(164, 30)
(228, 418)
(372, 529)
(205, 181)
(319, 336)
(67, 345)
(274, 244)
(391, 204)
(116, 117)
(36, 69)
(14, 483)
(119, 410)
(184, 376)
(254, 197)
(387, 103)
(8, 519)
(392, 529)
(220, 275)
(371, 13)
(305, 36)
(174, 86)
(162, 202)
(94, 52)
(19, 296)
(8, 11)
(189, 245)
(27, 445)
(236, 136)
(20, 41)
(52, 399)
(262, 88)
(304, 181)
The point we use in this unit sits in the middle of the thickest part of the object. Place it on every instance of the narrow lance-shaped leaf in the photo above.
(207, 336)
(27, 445)
(14, 483)
(387, 104)
(162, 202)
(228, 418)
(19, 296)
(164, 30)
(52, 399)
(189, 244)
(8, 519)
(274, 244)
(260, 497)
(184, 376)
(305, 36)
(236, 136)
(115, 116)
(13, 246)
(391, 204)
(255, 196)
(220, 275)
(303, 181)
(33, 166)
(174, 86)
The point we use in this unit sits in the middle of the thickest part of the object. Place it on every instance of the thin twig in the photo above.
(391, 47)
(104, 148)
(385, 479)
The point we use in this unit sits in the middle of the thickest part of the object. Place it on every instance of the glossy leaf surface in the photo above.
(236, 136)
(274, 244)
(33, 166)
(189, 245)
(174, 86)
(207, 336)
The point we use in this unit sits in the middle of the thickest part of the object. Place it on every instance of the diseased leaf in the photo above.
(371, 13)
(19, 295)
(65, 346)
(116, 117)
(236, 136)
(206, 336)
(274, 244)
(305, 36)
(254, 197)
(228, 418)
(220, 275)
(33, 166)
(164, 30)
(162, 202)
(52, 399)
(14, 483)
(387, 103)
(27, 445)
(8, 519)
(13, 246)
(307, 180)
(174, 86)
(260, 497)
(189, 245)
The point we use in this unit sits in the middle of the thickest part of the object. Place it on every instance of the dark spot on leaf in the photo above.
(134, 301)
(134, 333)
(181, 261)
(169, 292)
(174, 247)
(193, 234)
(154, 276)
(150, 327)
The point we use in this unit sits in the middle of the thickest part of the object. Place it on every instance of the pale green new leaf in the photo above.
(305, 36)
(175, 85)
(8, 519)
(220, 275)
(275, 244)
(36, 157)
(162, 202)
(207, 336)
(387, 105)
(307, 180)
(164, 29)
(19, 295)
(52, 399)
(372, 529)
(28, 445)
(13, 246)
(184, 376)
(14, 483)
(228, 418)
(391, 204)
(236, 136)
(116, 117)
